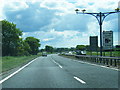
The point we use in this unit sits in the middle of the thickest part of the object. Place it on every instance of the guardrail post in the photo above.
(97, 60)
(100, 59)
(111, 62)
(103, 60)
(118, 63)
(94, 59)
(115, 62)
(107, 61)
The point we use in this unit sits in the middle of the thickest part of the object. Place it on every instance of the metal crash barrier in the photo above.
(109, 61)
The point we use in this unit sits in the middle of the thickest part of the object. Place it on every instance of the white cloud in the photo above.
(2, 16)
(97, 5)
(62, 6)
(48, 39)
(11, 5)
(18, 16)
(17, 5)
(93, 27)
(65, 33)
(59, 38)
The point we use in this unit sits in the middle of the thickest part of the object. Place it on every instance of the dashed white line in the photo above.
(78, 79)
(60, 66)
(57, 64)
(6, 78)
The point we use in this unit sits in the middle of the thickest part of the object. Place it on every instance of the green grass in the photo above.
(114, 53)
(10, 62)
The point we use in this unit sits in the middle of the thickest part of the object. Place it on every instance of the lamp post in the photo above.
(100, 18)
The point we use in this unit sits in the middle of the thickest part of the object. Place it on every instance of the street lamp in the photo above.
(100, 18)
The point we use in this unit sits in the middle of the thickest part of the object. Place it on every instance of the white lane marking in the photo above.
(60, 66)
(97, 65)
(78, 79)
(110, 68)
(6, 78)
(57, 63)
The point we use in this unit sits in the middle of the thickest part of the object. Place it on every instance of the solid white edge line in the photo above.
(97, 65)
(6, 78)
(78, 79)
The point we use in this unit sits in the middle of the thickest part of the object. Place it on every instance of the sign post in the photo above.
(108, 41)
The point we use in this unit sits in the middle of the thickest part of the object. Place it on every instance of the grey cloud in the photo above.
(31, 20)
(37, 18)
(73, 22)
(69, 22)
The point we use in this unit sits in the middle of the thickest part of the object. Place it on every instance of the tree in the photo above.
(49, 48)
(62, 49)
(88, 47)
(117, 47)
(23, 48)
(72, 49)
(80, 47)
(27, 48)
(34, 45)
(42, 50)
(13, 45)
(10, 38)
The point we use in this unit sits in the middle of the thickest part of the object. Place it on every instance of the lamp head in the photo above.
(77, 10)
(83, 10)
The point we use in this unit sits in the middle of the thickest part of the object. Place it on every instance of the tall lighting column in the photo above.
(100, 18)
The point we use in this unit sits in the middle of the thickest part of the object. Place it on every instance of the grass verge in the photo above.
(11, 62)
(113, 54)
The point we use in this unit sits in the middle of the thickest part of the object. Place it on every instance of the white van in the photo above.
(44, 53)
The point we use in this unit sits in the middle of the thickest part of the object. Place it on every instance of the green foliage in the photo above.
(23, 48)
(105, 53)
(80, 47)
(13, 45)
(62, 50)
(10, 38)
(49, 48)
(117, 47)
(34, 45)
(53, 50)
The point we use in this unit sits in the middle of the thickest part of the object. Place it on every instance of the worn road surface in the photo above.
(55, 71)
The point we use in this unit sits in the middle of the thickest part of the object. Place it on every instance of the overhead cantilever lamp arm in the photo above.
(93, 14)
(98, 15)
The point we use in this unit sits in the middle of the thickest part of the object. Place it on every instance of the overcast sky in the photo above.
(55, 22)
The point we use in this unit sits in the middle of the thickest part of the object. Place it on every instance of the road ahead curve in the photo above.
(55, 71)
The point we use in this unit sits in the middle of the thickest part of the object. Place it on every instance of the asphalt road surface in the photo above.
(55, 71)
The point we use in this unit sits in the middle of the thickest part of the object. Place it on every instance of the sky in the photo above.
(56, 23)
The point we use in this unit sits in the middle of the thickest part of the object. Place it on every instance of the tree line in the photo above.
(14, 45)
(52, 49)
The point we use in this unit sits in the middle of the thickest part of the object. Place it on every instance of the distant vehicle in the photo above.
(44, 54)
(79, 52)
(70, 53)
